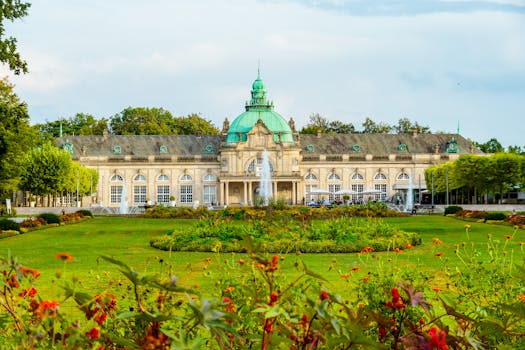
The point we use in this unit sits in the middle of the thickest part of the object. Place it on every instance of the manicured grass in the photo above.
(127, 239)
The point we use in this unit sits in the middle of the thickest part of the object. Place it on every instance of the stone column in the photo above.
(245, 194)
(250, 193)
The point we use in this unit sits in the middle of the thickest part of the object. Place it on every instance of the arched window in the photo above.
(357, 177)
(310, 177)
(163, 177)
(139, 177)
(209, 193)
(186, 177)
(210, 178)
(186, 190)
(334, 185)
(116, 178)
(403, 176)
(380, 187)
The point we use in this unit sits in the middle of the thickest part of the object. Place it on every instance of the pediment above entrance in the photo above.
(260, 136)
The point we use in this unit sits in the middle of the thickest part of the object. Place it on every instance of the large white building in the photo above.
(224, 169)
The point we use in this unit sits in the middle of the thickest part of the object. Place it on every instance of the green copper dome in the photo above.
(259, 108)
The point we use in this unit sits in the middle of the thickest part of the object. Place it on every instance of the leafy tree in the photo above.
(371, 127)
(516, 149)
(16, 137)
(141, 121)
(491, 146)
(86, 179)
(504, 170)
(193, 124)
(11, 10)
(406, 126)
(319, 123)
(80, 124)
(46, 170)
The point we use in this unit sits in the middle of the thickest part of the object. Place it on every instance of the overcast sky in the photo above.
(435, 62)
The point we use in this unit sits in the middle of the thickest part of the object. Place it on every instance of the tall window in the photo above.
(359, 188)
(186, 189)
(163, 194)
(307, 189)
(210, 189)
(115, 191)
(403, 176)
(380, 186)
(380, 196)
(139, 194)
(115, 194)
(334, 185)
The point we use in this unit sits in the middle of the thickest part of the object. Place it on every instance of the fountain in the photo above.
(409, 203)
(123, 209)
(265, 189)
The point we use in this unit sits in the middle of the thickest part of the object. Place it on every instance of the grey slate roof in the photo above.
(142, 145)
(209, 145)
(381, 144)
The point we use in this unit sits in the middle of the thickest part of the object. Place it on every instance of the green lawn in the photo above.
(127, 239)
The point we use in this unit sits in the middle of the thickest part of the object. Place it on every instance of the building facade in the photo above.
(225, 169)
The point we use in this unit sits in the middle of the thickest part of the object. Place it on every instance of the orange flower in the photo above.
(398, 250)
(521, 297)
(26, 271)
(508, 237)
(366, 279)
(521, 243)
(437, 241)
(409, 246)
(47, 308)
(367, 250)
(64, 256)
(241, 261)
(208, 259)
(229, 289)
(12, 281)
(345, 276)
(439, 254)
(356, 268)
(436, 289)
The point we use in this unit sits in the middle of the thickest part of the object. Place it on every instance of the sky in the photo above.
(442, 63)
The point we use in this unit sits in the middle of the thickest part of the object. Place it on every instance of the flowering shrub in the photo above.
(253, 304)
(343, 235)
(516, 220)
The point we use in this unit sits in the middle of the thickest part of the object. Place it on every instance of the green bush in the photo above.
(50, 218)
(6, 224)
(495, 216)
(452, 209)
(8, 233)
(85, 212)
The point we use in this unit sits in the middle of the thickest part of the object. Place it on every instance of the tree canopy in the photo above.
(11, 10)
(318, 123)
(80, 124)
(16, 137)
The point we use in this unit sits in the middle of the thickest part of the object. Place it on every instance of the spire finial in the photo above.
(258, 69)
(458, 127)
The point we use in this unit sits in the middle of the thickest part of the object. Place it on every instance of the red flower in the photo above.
(409, 246)
(93, 333)
(324, 295)
(64, 256)
(274, 297)
(437, 339)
